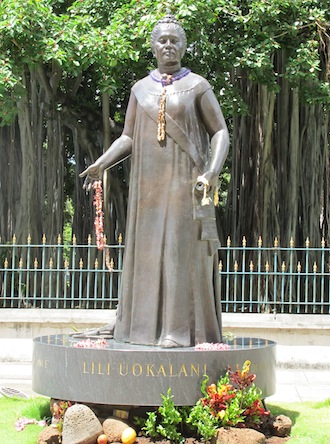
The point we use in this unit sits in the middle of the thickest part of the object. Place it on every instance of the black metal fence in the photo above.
(59, 276)
(275, 279)
(252, 279)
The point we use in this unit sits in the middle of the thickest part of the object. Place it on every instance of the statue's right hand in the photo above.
(92, 173)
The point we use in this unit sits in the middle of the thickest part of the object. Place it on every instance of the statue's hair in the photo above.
(168, 21)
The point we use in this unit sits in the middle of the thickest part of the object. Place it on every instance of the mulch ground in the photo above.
(144, 440)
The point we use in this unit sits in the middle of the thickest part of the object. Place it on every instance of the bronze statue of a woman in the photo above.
(176, 135)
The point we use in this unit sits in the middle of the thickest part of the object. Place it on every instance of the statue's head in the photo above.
(168, 22)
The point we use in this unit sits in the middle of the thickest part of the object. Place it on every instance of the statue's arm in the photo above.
(118, 150)
(216, 127)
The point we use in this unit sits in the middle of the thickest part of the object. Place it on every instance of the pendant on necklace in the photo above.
(165, 80)
(161, 122)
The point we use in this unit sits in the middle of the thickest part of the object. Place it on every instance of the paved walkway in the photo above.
(299, 385)
(292, 385)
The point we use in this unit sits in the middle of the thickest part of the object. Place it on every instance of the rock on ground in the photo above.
(114, 428)
(49, 435)
(80, 425)
(282, 426)
(145, 440)
(277, 440)
(240, 436)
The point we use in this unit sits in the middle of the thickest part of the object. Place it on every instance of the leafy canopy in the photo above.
(110, 42)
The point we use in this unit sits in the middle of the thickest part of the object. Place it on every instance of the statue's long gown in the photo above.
(169, 284)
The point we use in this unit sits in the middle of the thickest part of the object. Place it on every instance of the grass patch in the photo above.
(14, 408)
(311, 420)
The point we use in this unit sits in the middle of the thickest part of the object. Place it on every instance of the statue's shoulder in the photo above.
(199, 81)
(142, 84)
(194, 82)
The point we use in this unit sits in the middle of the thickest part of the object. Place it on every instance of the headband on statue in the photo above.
(168, 19)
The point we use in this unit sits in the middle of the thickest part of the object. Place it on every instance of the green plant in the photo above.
(201, 419)
(59, 409)
(310, 419)
(234, 401)
(164, 422)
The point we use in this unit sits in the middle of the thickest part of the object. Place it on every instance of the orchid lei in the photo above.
(98, 222)
(21, 423)
(89, 343)
(217, 346)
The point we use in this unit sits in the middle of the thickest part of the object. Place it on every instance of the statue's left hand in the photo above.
(212, 178)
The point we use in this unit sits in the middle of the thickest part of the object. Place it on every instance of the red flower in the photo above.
(98, 221)
(242, 379)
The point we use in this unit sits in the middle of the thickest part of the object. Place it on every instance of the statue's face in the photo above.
(168, 47)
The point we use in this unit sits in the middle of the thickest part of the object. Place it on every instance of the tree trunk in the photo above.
(10, 180)
(28, 220)
(279, 154)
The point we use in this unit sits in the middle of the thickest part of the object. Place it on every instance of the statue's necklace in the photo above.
(165, 80)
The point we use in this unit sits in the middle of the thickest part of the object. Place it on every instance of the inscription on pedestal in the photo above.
(148, 370)
(125, 374)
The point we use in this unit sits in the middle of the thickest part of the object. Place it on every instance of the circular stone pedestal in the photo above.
(136, 375)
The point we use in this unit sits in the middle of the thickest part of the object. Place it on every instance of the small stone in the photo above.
(282, 426)
(114, 428)
(277, 440)
(232, 435)
(50, 435)
(80, 425)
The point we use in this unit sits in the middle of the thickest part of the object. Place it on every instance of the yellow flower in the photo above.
(221, 414)
(224, 389)
(246, 368)
(212, 389)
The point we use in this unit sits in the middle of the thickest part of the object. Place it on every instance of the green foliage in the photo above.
(233, 400)
(59, 409)
(310, 419)
(111, 41)
(58, 57)
(165, 422)
(202, 420)
(171, 419)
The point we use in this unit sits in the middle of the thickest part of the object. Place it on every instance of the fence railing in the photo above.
(256, 279)
(59, 276)
(275, 279)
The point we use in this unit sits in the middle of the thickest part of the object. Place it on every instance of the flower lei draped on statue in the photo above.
(98, 222)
